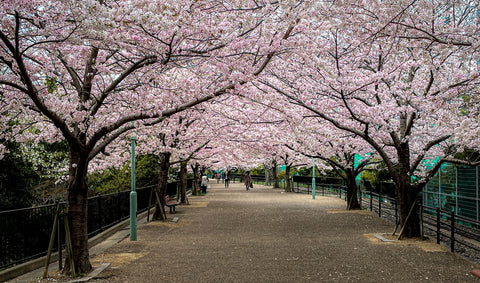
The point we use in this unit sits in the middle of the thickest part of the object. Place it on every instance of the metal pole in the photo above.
(438, 225)
(421, 221)
(380, 204)
(313, 179)
(452, 231)
(478, 191)
(371, 201)
(133, 199)
(456, 190)
(439, 196)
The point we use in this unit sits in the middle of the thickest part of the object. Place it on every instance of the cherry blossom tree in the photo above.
(339, 151)
(178, 146)
(393, 73)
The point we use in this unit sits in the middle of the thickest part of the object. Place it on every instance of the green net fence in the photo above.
(455, 189)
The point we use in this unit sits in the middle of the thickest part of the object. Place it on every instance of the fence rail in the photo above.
(461, 234)
(25, 233)
(457, 232)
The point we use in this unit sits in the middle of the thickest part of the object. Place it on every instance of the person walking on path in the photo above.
(248, 181)
(204, 184)
(227, 179)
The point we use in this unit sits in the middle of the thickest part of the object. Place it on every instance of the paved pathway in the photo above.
(265, 235)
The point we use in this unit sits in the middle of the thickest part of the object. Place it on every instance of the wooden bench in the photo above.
(171, 203)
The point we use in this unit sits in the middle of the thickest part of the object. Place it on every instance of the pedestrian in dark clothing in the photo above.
(248, 181)
(204, 184)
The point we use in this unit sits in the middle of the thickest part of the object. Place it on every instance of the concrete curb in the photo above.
(92, 274)
(32, 265)
(383, 239)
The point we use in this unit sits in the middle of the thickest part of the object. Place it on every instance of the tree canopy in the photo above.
(238, 83)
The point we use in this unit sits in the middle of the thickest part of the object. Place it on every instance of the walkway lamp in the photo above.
(313, 178)
(133, 198)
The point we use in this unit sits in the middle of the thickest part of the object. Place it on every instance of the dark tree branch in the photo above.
(89, 74)
(432, 143)
(76, 82)
(148, 60)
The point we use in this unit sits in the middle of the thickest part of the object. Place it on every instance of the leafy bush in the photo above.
(17, 180)
(116, 180)
(304, 171)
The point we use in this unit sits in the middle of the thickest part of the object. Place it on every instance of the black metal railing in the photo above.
(25, 233)
(461, 234)
(382, 205)
(107, 210)
(235, 178)
(323, 186)
(455, 231)
(452, 230)
(256, 179)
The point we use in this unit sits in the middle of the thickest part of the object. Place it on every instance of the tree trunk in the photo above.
(162, 185)
(288, 185)
(267, 177)
(183, 181)
(276, 184)
(77, 212)
(196, 178)
(406, 194)
(407, 197)
(352, 191)
(267, 174)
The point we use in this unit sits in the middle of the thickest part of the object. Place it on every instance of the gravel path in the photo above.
(265, 235)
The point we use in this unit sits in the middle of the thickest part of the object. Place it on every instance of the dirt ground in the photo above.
(266, 235)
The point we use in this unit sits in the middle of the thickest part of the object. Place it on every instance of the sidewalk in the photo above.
(266, 235)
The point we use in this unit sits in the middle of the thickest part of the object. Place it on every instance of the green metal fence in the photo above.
(455, 189)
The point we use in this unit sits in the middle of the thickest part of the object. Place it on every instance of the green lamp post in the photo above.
(133, 198)
(313, 178)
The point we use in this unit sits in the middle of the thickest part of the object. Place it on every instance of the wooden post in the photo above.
(408, 216)
(149, 204)
(59, 245)
(68, 244)
(162, 210)
(52, 240)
